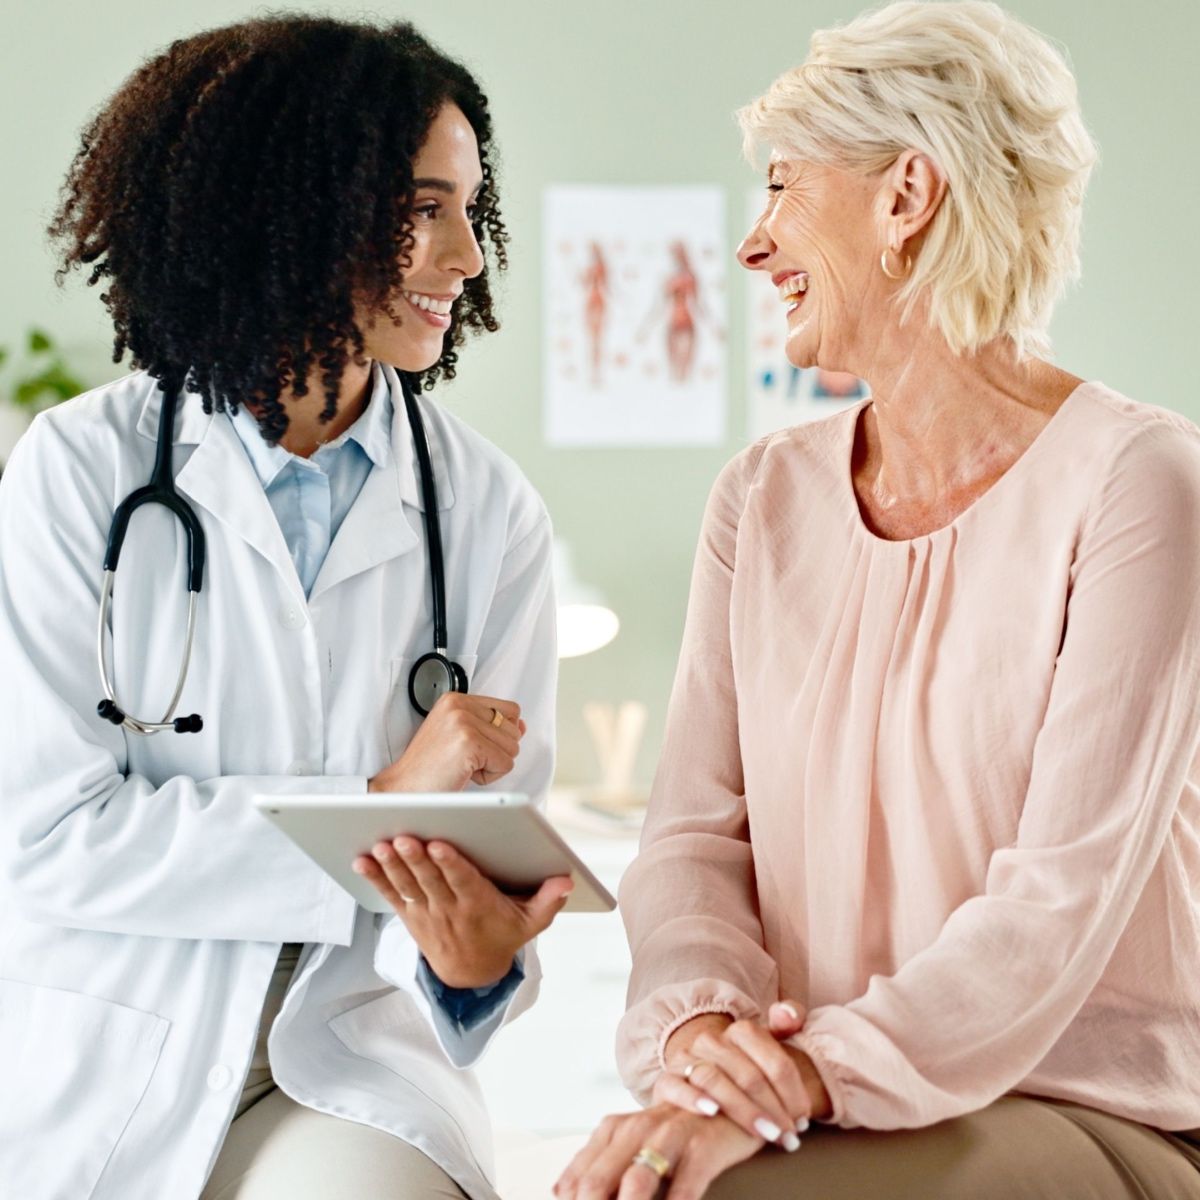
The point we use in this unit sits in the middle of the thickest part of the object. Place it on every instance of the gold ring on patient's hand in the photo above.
(497, 718)
(687, 1071)
(647, 1156)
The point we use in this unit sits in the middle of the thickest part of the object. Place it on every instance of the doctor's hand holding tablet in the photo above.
(467, 928)
(473, 876)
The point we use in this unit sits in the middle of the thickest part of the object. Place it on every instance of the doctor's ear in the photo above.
(913, 189)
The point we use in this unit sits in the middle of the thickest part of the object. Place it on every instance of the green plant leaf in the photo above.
(50, 386)
(39, 341)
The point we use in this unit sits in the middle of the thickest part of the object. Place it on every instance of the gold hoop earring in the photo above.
(884, 266)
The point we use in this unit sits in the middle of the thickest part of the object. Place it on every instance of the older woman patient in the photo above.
(930, 774)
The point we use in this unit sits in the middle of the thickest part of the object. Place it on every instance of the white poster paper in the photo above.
(635, 316)
(779, 394)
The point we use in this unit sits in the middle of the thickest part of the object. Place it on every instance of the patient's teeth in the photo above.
(793, 286)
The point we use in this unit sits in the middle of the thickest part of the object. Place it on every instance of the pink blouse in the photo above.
(943, 791)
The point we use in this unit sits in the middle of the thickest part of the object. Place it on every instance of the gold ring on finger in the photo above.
(687, 1071)
(408, 899)
(497, 718)
(647, 1156)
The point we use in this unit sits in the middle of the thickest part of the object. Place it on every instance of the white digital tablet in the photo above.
(504, 835)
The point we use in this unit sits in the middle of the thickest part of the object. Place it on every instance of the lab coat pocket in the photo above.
(75, 1068)
(401, 719)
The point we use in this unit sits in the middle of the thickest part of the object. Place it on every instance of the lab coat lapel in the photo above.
(377, 527)
(220, 478)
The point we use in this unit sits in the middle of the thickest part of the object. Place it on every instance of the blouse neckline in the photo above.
(1035, 449)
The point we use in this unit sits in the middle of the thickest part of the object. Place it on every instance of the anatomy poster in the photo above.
(779, 394)
(635, 316)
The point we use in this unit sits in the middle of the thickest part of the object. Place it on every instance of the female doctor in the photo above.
(287, 216)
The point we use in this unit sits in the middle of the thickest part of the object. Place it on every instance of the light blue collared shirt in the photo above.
(310, 498)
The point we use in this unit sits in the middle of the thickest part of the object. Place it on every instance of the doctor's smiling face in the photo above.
(357, 216)
(445, 251)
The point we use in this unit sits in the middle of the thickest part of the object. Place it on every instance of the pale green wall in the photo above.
(641, 91)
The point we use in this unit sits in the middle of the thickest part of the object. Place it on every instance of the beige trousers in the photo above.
(1016, 1149)
(280, 1150)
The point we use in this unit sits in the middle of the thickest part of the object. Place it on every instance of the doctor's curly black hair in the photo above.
(244, 187)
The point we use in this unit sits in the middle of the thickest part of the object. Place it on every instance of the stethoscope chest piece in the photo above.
(432, 676)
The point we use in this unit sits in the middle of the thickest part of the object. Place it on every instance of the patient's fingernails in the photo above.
(790, 1142)
(802, 1125)
(768, 1129)
(708, 1106)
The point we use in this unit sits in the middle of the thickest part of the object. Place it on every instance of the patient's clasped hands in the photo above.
(729, 1088)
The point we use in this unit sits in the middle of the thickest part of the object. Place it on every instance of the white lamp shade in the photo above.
(585, 622)
(583, 628)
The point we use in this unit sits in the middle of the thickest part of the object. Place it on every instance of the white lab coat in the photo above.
(144, 900)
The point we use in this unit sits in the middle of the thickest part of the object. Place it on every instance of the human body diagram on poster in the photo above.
(636, 307)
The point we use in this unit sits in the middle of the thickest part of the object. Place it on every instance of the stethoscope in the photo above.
(432, 675)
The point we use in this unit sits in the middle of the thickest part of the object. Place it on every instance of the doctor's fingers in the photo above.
(504, 736)
(488, 706)
(545, 904)
(394, 882)
(428, 875)
(462, 876)
(497, 721)
(484, 707)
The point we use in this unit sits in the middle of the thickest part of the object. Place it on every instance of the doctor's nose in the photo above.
(460, 251)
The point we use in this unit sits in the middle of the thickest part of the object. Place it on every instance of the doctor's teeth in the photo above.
(429, 304)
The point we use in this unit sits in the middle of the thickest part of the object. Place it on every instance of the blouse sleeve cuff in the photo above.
(644, 1030)
(825, 1050)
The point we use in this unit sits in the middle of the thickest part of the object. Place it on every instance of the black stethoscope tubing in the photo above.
(432, 674)
(435, 673)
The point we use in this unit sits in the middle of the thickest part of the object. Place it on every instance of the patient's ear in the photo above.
(912, 191)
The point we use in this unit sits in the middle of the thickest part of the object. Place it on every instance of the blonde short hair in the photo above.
(994, 104)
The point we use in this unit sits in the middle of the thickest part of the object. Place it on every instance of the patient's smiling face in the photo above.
(819, 238)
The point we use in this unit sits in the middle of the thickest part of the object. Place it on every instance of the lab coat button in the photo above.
(220, 1077)
(291, 616)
